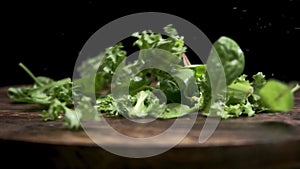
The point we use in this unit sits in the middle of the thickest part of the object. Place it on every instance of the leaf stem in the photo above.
(294, 89)
(56, 83)
(29, 73)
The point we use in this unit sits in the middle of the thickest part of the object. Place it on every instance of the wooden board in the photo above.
(267, 140)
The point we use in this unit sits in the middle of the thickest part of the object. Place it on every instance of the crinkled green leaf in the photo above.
(143, 104)
(173, 43)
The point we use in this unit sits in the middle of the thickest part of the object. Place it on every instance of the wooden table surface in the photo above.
(267, 140)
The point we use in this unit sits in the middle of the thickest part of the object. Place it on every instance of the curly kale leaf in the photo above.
(173, 43)
(105, 105)
(143, 104)
(100, 69)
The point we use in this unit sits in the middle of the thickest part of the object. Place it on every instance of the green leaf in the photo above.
(97, 72)
(173, 44)
(106, 105)
(231, 56)
(277, 96)
(186, 80)
(143, 104)
(85, 110)
(239, 90)
(199, 69)
(258, 82)
(72, 118)
(175, 110)
(171, 90)
(54, 111)
(20, 94)
(155, 79)
(180, 87)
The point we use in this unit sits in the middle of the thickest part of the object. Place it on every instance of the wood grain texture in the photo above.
(267, 140)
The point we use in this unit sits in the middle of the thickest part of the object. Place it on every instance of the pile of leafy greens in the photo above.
(171, 88)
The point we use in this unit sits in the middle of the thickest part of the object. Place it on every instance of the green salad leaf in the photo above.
(169, 87)
(277, 96)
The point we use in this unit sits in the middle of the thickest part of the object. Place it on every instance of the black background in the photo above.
(48, 36)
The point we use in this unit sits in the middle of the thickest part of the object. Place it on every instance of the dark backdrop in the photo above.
(47, 36)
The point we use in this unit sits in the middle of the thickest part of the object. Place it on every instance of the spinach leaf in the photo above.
(231, 56)
(277, 96)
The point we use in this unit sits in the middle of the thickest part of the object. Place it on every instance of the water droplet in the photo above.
(244, 10)
(234, 8)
